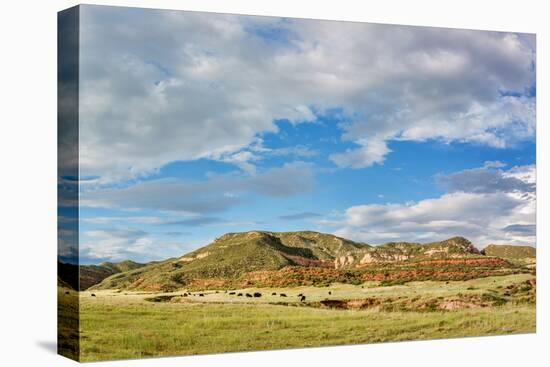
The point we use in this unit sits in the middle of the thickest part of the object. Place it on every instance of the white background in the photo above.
(28, 182)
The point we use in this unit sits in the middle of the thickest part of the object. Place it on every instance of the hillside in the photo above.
(510, 252)
(234, 254)
(294, 258)
(92, 274)
(121, 266)
(456, 247)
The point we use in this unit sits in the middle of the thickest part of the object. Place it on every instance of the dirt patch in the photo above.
(459, 304)
(348, 304)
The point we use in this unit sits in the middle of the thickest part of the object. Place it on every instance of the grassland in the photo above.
(124, 324)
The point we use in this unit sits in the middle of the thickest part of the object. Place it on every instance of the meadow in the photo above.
(123, 324)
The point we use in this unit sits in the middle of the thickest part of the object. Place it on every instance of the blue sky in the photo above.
(193, 125)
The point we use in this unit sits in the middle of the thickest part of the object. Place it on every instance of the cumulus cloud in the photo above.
(493, 213)
(371, 152)
(112, 243)
(216, 194)
(159, 86)
(121, 243)
(485, 179)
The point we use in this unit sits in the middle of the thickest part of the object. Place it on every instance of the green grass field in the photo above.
(117, 325)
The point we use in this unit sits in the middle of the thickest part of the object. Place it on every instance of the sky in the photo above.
(196, 124)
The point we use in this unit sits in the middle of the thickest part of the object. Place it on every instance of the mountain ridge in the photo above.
(243, 257)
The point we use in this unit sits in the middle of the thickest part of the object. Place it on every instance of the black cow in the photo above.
(231, 293)
(93, 295)
(67, 292)
(282, 295)
(239, 295)
(273, 294)
(329, 292)
(185, 294)
(248, 295)
(303, 298)
(257, 294)
(300, 295)
(201, 294)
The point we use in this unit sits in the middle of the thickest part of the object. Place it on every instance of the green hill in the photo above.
(121, 266)
(90, 275)
(256, 253)
(510, 252)
(232, 255)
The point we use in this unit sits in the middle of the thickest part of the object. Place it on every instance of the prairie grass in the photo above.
(124, 325)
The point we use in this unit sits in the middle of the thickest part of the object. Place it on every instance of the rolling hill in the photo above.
(306, 257)
(510, 252)
(91, 274)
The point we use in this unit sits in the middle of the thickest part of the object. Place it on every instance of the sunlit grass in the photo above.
(118, 325)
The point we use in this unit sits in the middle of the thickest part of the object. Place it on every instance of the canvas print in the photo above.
(238, 183)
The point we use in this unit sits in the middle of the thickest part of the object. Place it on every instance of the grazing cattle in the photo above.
(231, 293)
(66, 292)
(303, 298)
(185, 294)
(93, 295)
(201, 294)
(257, 294)
(248, 295)
(329, 292)
(239, 295)
(273, 294)
(300, 295)
(282, 295)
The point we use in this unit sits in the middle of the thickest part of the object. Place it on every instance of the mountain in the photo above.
(510, 251)
(248, 257)
(91, 274)
(234, 254)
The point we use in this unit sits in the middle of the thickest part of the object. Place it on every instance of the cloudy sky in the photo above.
(193, 125)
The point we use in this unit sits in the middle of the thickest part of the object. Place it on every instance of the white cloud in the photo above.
(218, 193)
(483, 216)
(371, 152)
(117, 244)
(159, 86)
(488, 179)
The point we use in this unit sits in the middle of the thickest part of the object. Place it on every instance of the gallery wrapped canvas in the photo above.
(239, 183)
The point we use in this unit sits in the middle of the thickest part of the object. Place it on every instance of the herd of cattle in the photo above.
(233, 293)
(250, 295)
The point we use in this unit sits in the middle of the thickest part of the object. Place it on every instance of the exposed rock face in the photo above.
(367, 259)
(343, 261)
(453, 248)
